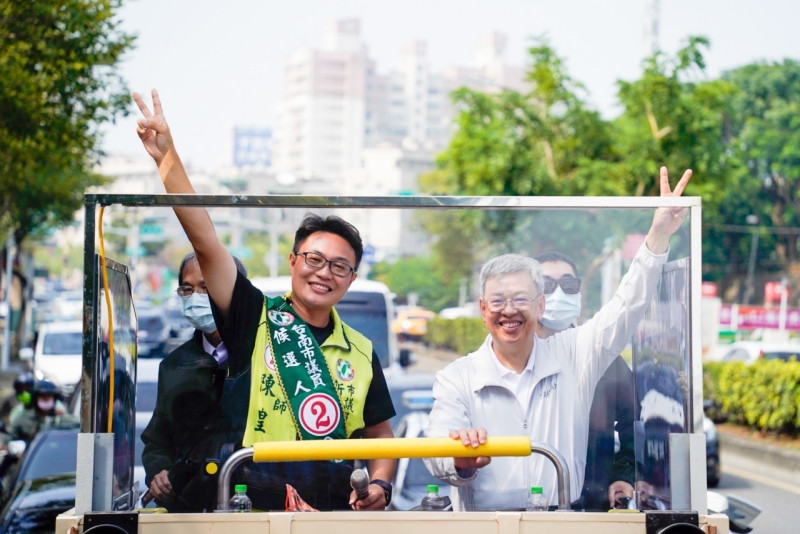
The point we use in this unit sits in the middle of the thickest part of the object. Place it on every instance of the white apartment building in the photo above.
(321, 117)
(335, 103)
(344, 128)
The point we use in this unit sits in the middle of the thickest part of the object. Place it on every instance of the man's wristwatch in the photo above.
(387, 489)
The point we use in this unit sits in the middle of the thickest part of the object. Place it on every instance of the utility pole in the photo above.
(652, 10)
(5, 356)
(751, 266)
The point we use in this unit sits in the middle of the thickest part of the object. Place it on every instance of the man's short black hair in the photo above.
(546, 257)
(333, 225)
(191, 256)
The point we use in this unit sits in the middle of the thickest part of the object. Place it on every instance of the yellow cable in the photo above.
(104, 275)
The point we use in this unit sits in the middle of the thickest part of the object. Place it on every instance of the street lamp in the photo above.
(749, 289)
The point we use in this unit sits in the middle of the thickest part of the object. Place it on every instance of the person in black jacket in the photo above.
(183, 429)
(609, 472)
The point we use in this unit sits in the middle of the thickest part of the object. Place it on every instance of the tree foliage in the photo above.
(522, 144)
(436, 286)
(766, 136)
(739, 133)
(58, 84)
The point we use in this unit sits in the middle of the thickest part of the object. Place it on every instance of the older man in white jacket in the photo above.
(517, 383)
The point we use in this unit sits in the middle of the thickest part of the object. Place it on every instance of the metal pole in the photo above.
(751, 266)
(6, 351)
(224, 483)
(782, 311)
(562, 472)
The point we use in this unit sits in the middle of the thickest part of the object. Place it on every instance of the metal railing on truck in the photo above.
(391, 448)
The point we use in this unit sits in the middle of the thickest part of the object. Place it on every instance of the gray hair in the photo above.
(511, 263)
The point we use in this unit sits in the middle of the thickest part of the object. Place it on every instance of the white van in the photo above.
(58, 355)
(367, 307)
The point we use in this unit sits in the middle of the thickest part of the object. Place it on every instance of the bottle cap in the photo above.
(240, 487)
(536, 489)
(433, 488)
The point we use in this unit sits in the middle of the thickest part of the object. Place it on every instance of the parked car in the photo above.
(751, 351)
(57, 355)
(153, 332)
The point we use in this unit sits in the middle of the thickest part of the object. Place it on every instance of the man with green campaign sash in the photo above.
(320, 385)
(296, 371)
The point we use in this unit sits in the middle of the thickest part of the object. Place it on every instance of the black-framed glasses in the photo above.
(186, 291)
(569, 285)
(496, 304)
(318, 261)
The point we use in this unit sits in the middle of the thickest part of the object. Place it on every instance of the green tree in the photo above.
(549, 142)
(522, 144)
(673, 115)
(435, 288)
(765, 134)
(513, 144)
(58, 83)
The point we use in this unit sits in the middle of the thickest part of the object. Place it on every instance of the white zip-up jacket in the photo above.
(470, 393)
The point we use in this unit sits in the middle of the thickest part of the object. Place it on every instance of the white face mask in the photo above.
(560, 309)
(45, 405)
(197, 310)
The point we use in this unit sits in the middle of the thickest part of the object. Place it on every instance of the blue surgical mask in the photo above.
(560, 309)
(197, 310)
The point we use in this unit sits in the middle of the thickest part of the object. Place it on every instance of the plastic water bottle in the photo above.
(536, 502)
(240, 502)
(432, 501)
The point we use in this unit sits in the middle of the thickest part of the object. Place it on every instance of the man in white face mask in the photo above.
(609, 474)
(190, 382)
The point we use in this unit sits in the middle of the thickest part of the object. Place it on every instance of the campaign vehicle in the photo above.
(671, 460)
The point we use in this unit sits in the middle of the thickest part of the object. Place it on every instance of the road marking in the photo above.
(761, 479)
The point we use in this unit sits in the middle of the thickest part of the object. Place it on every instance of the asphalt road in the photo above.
(776, 491)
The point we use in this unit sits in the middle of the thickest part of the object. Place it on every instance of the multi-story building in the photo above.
(321, 118)
(335, 103)
(343, 127)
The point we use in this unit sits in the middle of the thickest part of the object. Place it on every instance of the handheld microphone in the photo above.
(359, 481)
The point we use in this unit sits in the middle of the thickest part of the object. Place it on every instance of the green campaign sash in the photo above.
(303, 374)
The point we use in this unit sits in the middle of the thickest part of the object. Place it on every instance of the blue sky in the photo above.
(217, 64)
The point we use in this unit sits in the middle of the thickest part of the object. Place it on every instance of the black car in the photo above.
(42, 484)
(34, 504)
